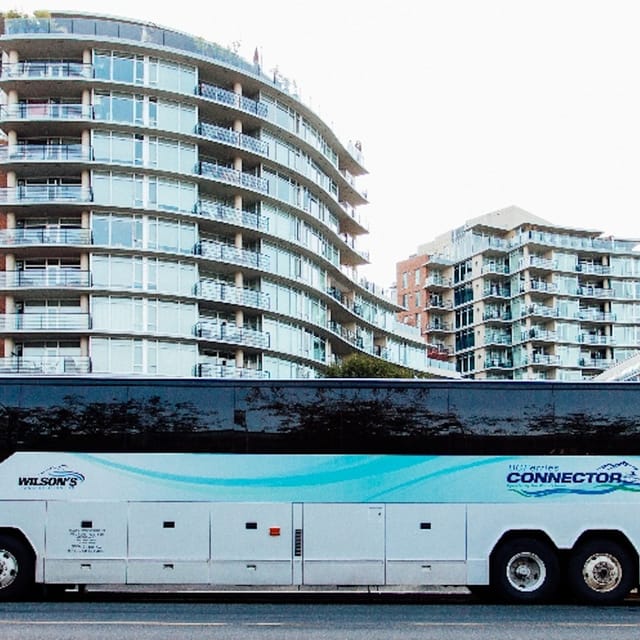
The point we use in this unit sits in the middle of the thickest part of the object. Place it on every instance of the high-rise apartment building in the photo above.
(168, 208)
(511, 296)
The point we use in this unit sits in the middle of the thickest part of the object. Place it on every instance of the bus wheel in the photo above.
(16, 568)
(601, 571)
(525, 570)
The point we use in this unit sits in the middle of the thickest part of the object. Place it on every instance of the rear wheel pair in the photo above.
(527, 569)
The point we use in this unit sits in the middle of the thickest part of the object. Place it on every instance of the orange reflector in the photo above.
(274, 531)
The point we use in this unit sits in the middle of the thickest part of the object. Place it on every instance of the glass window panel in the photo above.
(122, 109)
(123, 69)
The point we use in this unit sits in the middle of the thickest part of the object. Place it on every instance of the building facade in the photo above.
(512, 296)
(166, 208)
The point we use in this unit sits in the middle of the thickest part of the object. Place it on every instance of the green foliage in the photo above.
(360, 365)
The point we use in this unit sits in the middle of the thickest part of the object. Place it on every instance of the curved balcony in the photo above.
(44, 70)
(58, 236)
(233, 138)
(230, 333)
(50, 194)
(222, 292)
(46, 153)
(210, 370)
(232, 99)
(46, 111)
(45, 279)
(47, 365)
(223, 213)
(35, 322)
(231, 254)
(222, 173)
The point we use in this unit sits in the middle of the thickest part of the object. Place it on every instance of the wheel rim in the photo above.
(526, 572)
(602, 572)
(8, 568)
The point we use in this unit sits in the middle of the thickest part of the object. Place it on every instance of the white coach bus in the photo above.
(526, 490)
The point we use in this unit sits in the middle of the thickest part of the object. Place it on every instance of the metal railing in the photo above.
(227, 332)
(45, 279)
(47, 365)
(67, 321)
(46, 236)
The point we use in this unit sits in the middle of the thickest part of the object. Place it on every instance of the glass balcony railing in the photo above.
(211, 370)
(47, 236)
(45, 279)
(50, 193)
(226, 174)
(231, 137)
(46, 153)
(224, 292)
(47, 365)
(230, 333)
(231, 254)
(223, 213)
(45, 111)
(72, 321)
(44, 70)
(232, 99)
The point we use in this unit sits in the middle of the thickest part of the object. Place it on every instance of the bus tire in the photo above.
(16, 567)
(525, 570)
(601, 571)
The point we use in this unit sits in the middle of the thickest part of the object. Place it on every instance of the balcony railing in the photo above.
(588, 338)
(45, 111)
(47, 365)
(72, 321)
(591, 315)
(50, 193)
(227, 332)
(45, 70)
(231, 254)
(45, 153)
(226, 174)
(223, 213)
(223, 292)
(210, 370)
(48, 236)
(595, 292)
(231, 99)
(45, 279)
(235, 138)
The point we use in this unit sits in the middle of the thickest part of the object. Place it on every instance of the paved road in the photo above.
(152, 618)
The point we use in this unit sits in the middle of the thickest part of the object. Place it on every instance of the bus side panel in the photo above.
(86, 542)
(168, 543)
(29, 519)
(251, 543)
(426, 544)
(343, 544)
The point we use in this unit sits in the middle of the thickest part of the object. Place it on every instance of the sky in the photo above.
(462, 106)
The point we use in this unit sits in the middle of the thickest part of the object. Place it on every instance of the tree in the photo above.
(360, 365)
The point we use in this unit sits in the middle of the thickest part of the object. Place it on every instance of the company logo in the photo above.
(61, 477)
(535, 481)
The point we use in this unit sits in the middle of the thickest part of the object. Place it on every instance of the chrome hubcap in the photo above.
(8, 568)
(602, 572)
(526, 571)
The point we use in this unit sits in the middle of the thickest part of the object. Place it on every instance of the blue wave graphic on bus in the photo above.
(534, 482)
(62, 471)
(347, 478)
